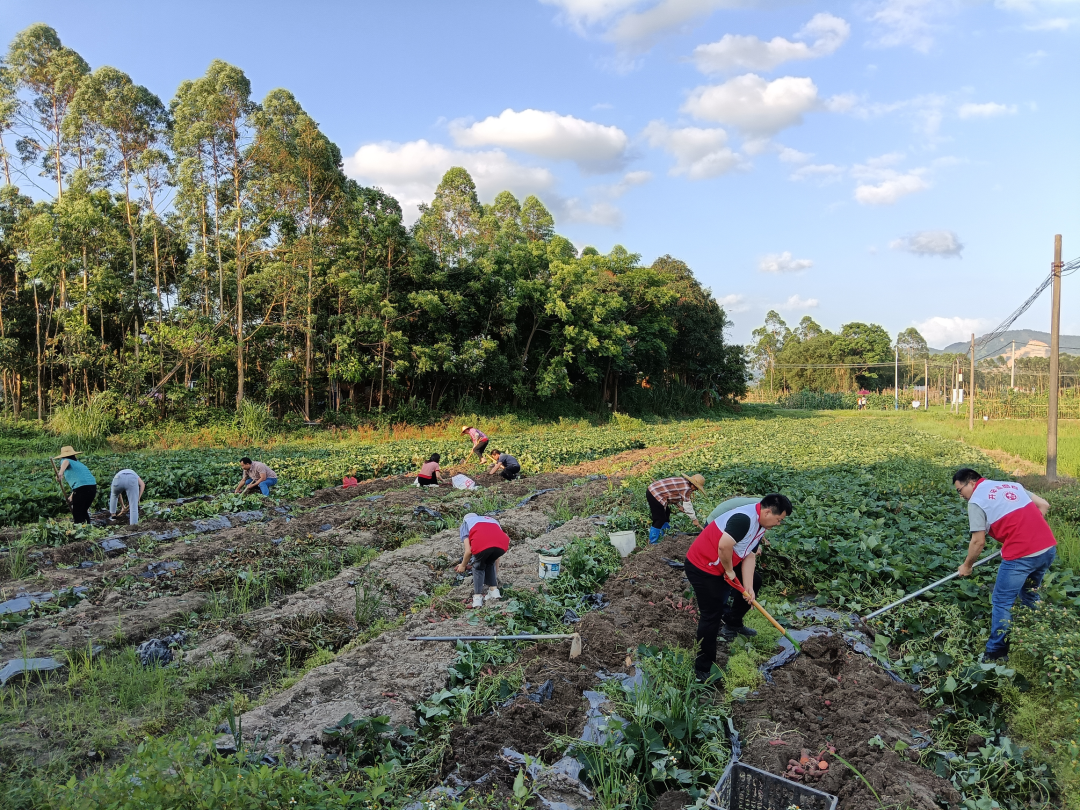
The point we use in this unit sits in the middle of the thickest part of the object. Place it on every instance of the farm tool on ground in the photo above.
(929, 587)
(734, 583)
(575, 646)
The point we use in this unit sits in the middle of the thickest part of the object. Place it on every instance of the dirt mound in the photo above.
(864, 704)
(524, 725)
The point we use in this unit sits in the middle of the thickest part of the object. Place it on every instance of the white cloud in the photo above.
(883, 185)
(783, 263)
(889, 191)
(1052, 24)
(733, 303)
(629, 181)
(699, 153)
(930, 243)
(789, 155)
(757, 107)
(736, 52)
(574, 209)
(547, 134)
(1034, 58)
(988, 110)
(909, 22)
(823, 172)
(940, 331)
(411, 171)
(797, 302)
(635, 25)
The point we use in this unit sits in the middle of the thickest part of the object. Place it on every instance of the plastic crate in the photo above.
(743, 787)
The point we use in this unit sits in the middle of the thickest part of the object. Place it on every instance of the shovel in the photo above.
(575, 646)
(929, 587)
(734, 583)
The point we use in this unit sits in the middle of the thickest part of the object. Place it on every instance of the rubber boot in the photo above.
(492, 594)
(477, 600)
(654, 535)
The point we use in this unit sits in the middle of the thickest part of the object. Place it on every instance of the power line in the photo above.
(1066, 269)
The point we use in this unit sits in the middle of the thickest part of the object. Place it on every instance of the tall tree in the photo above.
(51, 73)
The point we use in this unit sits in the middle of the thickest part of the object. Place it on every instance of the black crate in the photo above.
(743, 787)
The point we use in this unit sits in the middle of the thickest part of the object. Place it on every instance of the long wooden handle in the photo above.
(768, 616)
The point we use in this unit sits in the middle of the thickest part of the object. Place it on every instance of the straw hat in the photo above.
(65, 451)
(464, 428)
(697, 480)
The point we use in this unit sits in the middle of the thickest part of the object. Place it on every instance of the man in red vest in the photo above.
(1016, 519)
(725, 550)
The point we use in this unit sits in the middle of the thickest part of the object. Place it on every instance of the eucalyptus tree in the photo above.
(51, 74)
(124, 120)
(301, 168)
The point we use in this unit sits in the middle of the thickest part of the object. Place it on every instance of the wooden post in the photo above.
(1012, 377)
(1055, 348)
(971, 387)
(896, 378)
(926, 388)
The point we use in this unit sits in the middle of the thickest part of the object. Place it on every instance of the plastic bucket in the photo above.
(625, 542)
(549, 567)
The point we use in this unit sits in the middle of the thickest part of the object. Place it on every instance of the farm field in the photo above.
(288, 633)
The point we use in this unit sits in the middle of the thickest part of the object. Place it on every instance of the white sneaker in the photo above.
(492, 594)
(477, 600)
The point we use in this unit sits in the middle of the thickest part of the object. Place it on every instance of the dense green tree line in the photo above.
(211, 249)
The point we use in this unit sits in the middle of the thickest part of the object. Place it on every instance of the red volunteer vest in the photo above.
(704, 553)
(483, 536)
(1015, 520)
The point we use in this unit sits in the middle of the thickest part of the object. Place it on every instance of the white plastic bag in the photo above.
(462, 482)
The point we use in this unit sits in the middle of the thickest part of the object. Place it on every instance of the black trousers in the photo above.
(660, 513)
(718, 604)
(480, 448)
(483, 569)
(510, 473)
(81, 500)
(424, 481)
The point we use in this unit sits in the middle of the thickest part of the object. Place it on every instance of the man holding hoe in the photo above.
(1015, 518)
(726, 549)
(256, 475)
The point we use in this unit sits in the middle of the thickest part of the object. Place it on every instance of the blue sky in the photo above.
(905, 162)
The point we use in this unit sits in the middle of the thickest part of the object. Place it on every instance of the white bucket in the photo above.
(549, 567)
(625, 542)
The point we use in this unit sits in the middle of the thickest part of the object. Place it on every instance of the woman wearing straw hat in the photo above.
(80, 480)
(663, 493)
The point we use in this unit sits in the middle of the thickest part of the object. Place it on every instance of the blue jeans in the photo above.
(264, 487)
(1015, 578)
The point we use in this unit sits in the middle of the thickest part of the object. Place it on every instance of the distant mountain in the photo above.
(1029, 343)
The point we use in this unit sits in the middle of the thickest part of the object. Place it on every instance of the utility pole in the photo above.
(896, 377)
(1012, 377)
(926, 388)
(971, 387)
(1055, 348)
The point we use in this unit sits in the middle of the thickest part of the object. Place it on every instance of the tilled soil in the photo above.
(863, 703)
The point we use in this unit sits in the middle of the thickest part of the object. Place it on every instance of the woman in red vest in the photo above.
(1016, 519)
(484, 542)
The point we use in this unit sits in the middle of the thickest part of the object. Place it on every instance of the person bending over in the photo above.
(126, 485)
(478, 438)
(256, 474)
(663, 493)
(80, 481)
(1015, 518)
(505, 465)
(726, 549)
(483, 542)
(429, 473)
